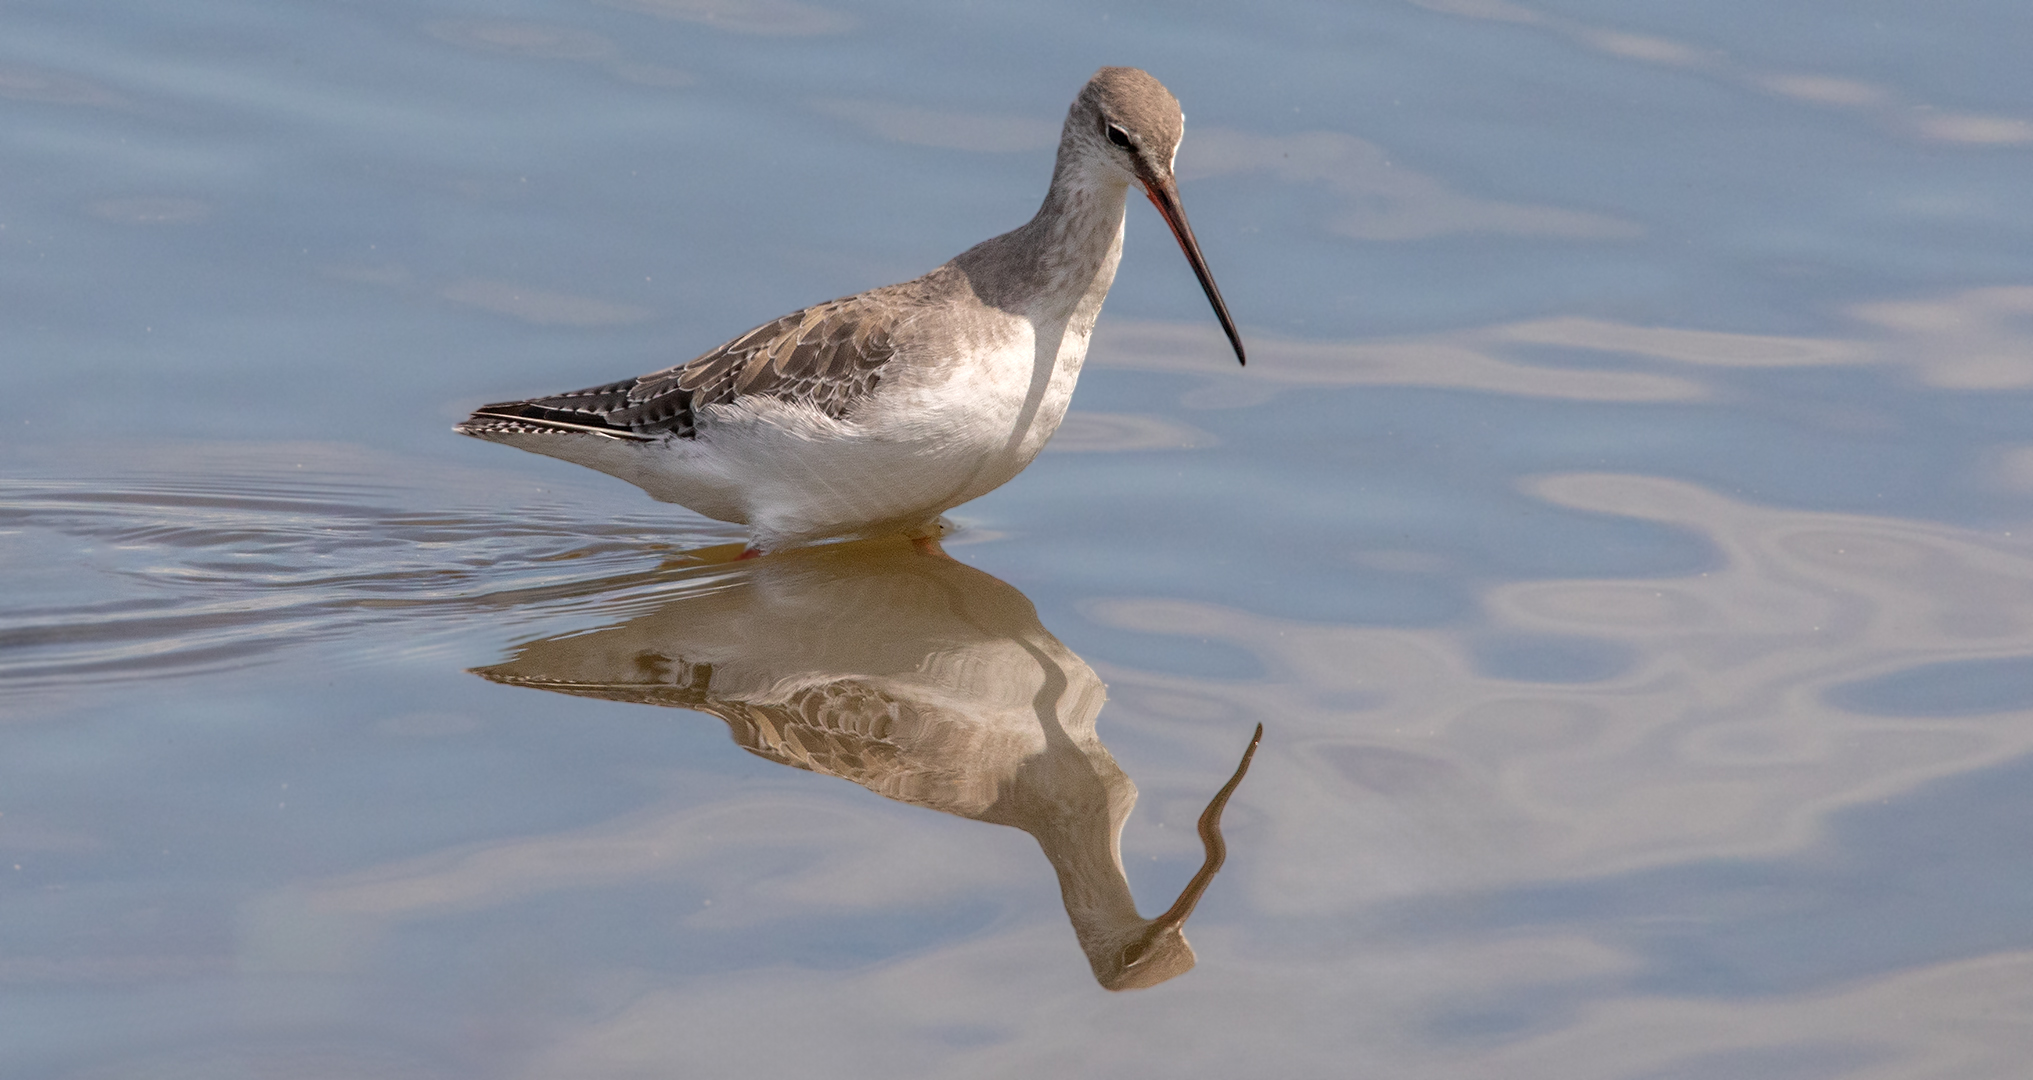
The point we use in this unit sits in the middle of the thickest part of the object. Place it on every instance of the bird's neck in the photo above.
(1056, 268)
(1086, 856)
(1073, 800)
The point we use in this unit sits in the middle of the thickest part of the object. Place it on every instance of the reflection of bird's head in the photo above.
(1147, 952)
(1155, 952)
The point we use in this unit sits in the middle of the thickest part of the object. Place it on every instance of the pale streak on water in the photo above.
(1620, 531)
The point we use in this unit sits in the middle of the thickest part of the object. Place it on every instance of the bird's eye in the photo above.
(1133, 952)
(1118, 136)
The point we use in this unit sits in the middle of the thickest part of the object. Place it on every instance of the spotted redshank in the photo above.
(875, 413)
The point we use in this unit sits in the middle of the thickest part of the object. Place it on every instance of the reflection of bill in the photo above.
(921, 679)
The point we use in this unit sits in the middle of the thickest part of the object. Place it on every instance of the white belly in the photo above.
(936, 435)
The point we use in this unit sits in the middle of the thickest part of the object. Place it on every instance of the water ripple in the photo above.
(216, 559)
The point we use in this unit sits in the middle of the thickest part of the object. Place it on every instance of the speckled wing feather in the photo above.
(829, 356)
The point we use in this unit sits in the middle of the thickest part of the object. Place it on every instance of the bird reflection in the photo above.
(921, 679)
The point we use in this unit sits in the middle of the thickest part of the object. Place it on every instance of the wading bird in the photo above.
(875, 413)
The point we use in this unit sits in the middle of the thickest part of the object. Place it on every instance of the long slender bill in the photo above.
(1164, 195)
(1210, 838)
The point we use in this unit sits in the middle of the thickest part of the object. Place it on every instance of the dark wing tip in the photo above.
(615, 411)
(504, 419)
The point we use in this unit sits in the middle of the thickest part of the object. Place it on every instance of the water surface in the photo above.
(1620, 532)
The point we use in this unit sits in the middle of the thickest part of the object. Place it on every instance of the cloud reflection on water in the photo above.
(1726, 733)
(1382, 199)
(787, 18)
(1973, 339)
(1883, 104)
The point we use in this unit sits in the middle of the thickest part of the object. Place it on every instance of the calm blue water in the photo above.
(1621, 532)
